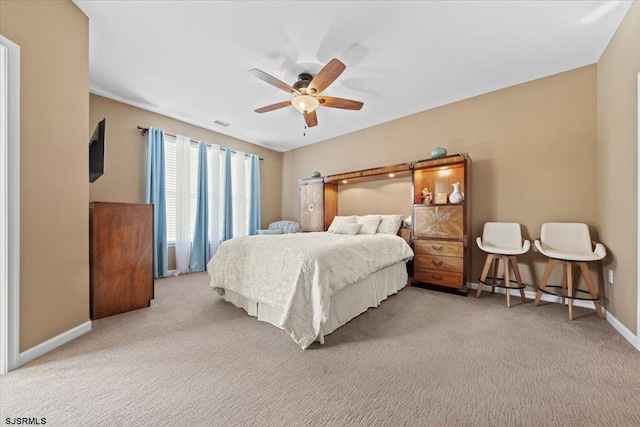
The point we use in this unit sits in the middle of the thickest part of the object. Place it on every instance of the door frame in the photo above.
(9, 205)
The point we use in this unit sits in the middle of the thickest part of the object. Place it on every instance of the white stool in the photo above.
(502, 241)
(568, 244)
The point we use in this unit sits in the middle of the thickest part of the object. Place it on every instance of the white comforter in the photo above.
(297, 273)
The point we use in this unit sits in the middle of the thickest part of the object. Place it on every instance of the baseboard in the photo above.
(532, 295)
(622, 330)
(617, 325)
(53, 343)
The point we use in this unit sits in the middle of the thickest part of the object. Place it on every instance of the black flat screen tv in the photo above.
(96, 152)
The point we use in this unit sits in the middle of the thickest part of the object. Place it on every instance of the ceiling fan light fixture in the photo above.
(304, 92)
(305, 103)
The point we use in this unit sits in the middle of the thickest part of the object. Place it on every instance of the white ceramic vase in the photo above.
(456, 196)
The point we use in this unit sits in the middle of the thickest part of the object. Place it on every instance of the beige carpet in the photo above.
(422, 358)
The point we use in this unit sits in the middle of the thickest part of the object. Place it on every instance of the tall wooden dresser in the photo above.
(440, 227)
(120, 257)
(318, 204)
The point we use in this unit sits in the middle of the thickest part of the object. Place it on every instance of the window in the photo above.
(170, 186)
(241, 189)
(216, 194)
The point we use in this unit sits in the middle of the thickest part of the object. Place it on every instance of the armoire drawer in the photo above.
(438, 247)
(438, 222)
(442, 278)
(440, 263)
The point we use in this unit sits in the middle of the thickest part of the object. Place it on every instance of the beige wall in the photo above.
(124, 177)
(533, 148)
(617, 163)
(387, 197)
(54, 188)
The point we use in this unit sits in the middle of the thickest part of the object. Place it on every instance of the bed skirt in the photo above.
(348, 303)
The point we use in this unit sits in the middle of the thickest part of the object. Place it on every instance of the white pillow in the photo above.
(350, 228)
(341, 219)
(378, 217)
(390, 224)
(369, 225)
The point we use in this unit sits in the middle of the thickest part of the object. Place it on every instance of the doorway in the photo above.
(9, 203)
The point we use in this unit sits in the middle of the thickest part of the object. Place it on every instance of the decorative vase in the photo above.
(427, 197)
(315, 174)
(436, 153)
(456, 196)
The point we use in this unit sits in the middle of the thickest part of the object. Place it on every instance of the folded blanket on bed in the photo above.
(298, 273)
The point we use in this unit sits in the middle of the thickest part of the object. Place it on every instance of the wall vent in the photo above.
(221, 123)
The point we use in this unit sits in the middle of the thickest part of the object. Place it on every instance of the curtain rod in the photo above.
(145, 130)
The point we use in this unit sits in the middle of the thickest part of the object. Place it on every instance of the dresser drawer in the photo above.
(438, 247)
(440, 263)
(442, 278)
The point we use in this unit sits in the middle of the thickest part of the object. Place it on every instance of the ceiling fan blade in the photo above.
(346, 104)
(326, 76)
(273, 81)
(274, 107)
(311, 119)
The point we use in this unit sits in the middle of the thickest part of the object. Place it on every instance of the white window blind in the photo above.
(240, 183)
(170, 186)
(216, 193)
(247, 192)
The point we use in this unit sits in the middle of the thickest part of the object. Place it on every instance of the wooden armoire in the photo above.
(441, 228)
(318, 204)
(120, 257)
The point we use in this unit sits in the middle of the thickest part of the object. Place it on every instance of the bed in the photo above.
(309, 284)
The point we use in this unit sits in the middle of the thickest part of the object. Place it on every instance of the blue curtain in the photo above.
(200, 247)
(254, 197)
(227, 215)
(156, 196)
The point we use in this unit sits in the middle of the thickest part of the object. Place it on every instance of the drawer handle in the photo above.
(437, 248)
(433, 276)
(434, 262)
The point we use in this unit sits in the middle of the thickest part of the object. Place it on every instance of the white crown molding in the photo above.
(207, 126)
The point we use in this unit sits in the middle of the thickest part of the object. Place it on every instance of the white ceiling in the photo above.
(190, 59)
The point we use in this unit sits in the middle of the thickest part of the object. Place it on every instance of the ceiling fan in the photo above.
(307, 90)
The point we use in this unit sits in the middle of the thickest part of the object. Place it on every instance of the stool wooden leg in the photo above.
(570, 289)
(485, 271)
(516, 272)
(506, 280)
(592, 288)
(495, 274)
(545, 279)
(564, 283)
